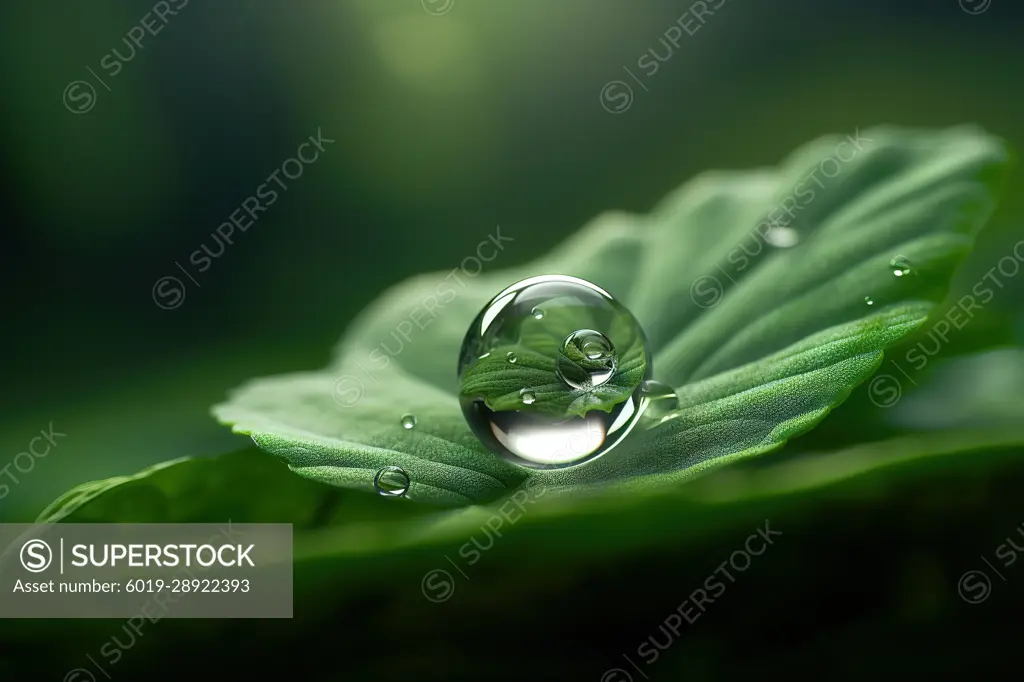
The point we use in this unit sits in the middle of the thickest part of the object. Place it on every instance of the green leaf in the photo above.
(337, 526)
(760, 341)
(244, 486)
(754, 408)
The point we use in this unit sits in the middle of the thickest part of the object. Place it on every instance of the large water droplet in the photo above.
(869, 300)
(573, 339)
(660, 397)
(391, 481)
(511, 357)
(586, 359)
(900, 266)
(408, 421)
(782, 237)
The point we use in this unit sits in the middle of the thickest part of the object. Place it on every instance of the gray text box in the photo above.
(147, 570)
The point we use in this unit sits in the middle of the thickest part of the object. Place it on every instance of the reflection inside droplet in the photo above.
(538, 440)
(586, 359)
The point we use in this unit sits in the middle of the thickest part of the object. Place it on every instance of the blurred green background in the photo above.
(446, 125)
(449, 118)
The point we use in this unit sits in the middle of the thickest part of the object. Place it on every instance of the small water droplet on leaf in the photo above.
(661, 399)
(391, 481)
(900, 266)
